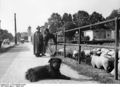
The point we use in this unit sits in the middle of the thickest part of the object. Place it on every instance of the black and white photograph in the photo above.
(59, 42)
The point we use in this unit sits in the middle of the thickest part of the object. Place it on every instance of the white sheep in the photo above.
(87, 52)
(96, 51)
(104, 51)
(68, 52)
(83, 56)
(112, 53)
(75, 53)
(61, 51)
(102, 62)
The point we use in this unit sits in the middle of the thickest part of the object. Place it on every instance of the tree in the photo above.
(46, 25)
(97, 17)
(66, 18)
(4, 34)
(114, 13)
(55, 22)
(81, 18)
(68, 26)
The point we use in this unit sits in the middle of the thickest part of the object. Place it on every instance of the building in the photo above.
(24, 35)
(101, 34)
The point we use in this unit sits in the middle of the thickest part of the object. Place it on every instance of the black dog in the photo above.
(51, 71)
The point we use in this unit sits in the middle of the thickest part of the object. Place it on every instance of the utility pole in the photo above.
(15, 29)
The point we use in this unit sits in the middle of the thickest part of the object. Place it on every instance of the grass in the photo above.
(87, 70)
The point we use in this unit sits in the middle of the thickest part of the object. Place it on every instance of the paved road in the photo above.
(19, 59)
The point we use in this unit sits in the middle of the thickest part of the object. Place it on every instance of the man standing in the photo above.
(47, 37)
(38, 42)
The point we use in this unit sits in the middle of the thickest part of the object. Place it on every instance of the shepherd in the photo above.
(47, 37)
(38, 42)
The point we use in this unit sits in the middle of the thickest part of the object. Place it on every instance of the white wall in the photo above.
(89, 33)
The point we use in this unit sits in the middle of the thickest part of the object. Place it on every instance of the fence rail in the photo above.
(87, 45)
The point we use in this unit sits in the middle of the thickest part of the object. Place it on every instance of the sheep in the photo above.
(105, 51)
(102, 62)
(68, 52)
(60, 51)
(96, 51)
(87, 52)
(112, 53)
(75, 54)
(84, 56)
(99, 51)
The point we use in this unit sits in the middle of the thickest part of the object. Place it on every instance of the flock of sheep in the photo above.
(98, 57)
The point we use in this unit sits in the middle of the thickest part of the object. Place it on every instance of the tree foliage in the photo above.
(4, 34)
(113, 14)
(68, 21)
(68, 24)
(96, 17)
(54, 22)
(81, 18)
(66, 18)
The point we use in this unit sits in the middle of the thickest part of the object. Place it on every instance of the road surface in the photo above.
(15, 62)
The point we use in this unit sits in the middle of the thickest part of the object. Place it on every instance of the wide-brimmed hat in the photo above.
(38, 27)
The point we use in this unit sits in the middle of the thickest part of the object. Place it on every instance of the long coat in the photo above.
(38, 43)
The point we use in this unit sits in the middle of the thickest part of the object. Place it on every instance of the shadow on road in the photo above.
(20, 48)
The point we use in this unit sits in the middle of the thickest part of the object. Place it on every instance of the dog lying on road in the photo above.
(51, 71)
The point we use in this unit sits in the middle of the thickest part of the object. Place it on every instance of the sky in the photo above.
(36, 12)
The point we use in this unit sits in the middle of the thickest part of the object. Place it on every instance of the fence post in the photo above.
(64, 44)
(116, 48)
(79, 55)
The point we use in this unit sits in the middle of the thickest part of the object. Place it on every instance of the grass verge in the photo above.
(87, 70)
